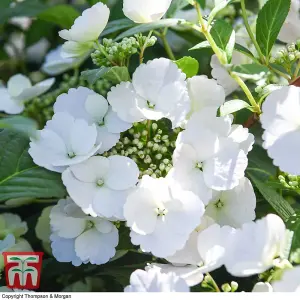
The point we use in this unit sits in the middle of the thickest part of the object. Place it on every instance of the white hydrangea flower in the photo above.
(289, 281)
(56, 64)
(153, 211)
(210, 154)
(20, 90)
(12, 224)
(205, 251)
(205, 92)
(255, 246)
(262, 287)
(233, 207)
(79, 238)
(100, 185)
(145, 11)
(64, 141)
(152, 94)
(153, 280)
(85, 31)
(83, 103)
(281, 121)
(290, 30)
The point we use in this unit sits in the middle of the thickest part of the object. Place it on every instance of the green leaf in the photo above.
(117, 74)
(91, 76)
(233, 106)
(218, 8)
(62, 15)
(188, 65)
(243, 50)
(202, 45)
(19, 177)
(119, 254)
(224, 36)
(281, 206)
(175, 6)
(148, 27)
(250, 69)
(39, 29)
(19, 123)
(269, 22)
(117, 25)
(293, 224)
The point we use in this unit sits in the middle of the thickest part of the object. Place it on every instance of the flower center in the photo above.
(101, 123)
(71, 154)
(89, 225)
(219, 204)
(100, 182)
(161, 212)
(150, 105)
(199, 165)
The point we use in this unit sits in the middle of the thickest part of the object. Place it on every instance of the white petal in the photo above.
(123, 173)
(8, 104)
(17, 84)
(89, 25)
(225, 169)
(205, 92)
(101, 246)
(97, 106)
(139, 211)
(289, 281)
(114, 124)
(146, 11)
(36, 90)
(64, 250)
(105, 139)
(123, 100)
(262, 287)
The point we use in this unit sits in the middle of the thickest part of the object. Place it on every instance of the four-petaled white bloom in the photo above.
(158, 90)
(255, 246)
(20, 90)
(85, 31)
(64, 141)
(281, 121)
(152, 212)
(210, 154)
(233, 207)
(55, 64)
(145, 11)
(153, 280)
(289, 281)
(79, 238)
(100, 185)
(290, 30)
(83, 103)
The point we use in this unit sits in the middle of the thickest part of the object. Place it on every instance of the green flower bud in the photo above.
(226, 287)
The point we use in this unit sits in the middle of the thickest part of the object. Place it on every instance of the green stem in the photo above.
(278, 72)
(166, 44)
(246, 91)
(216, 287)
(249, 30)
(144, 47)
(296, 71)
(221, 56)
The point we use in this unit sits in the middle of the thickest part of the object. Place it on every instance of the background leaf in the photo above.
(117, 74)
(19, 123)
(19, 177)
(91, 76)
(188, 65)
(269, 22)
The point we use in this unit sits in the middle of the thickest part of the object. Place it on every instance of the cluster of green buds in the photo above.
(289, 181)
(41, 108)
(111, 53)
(287, 56)
(150, 145)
